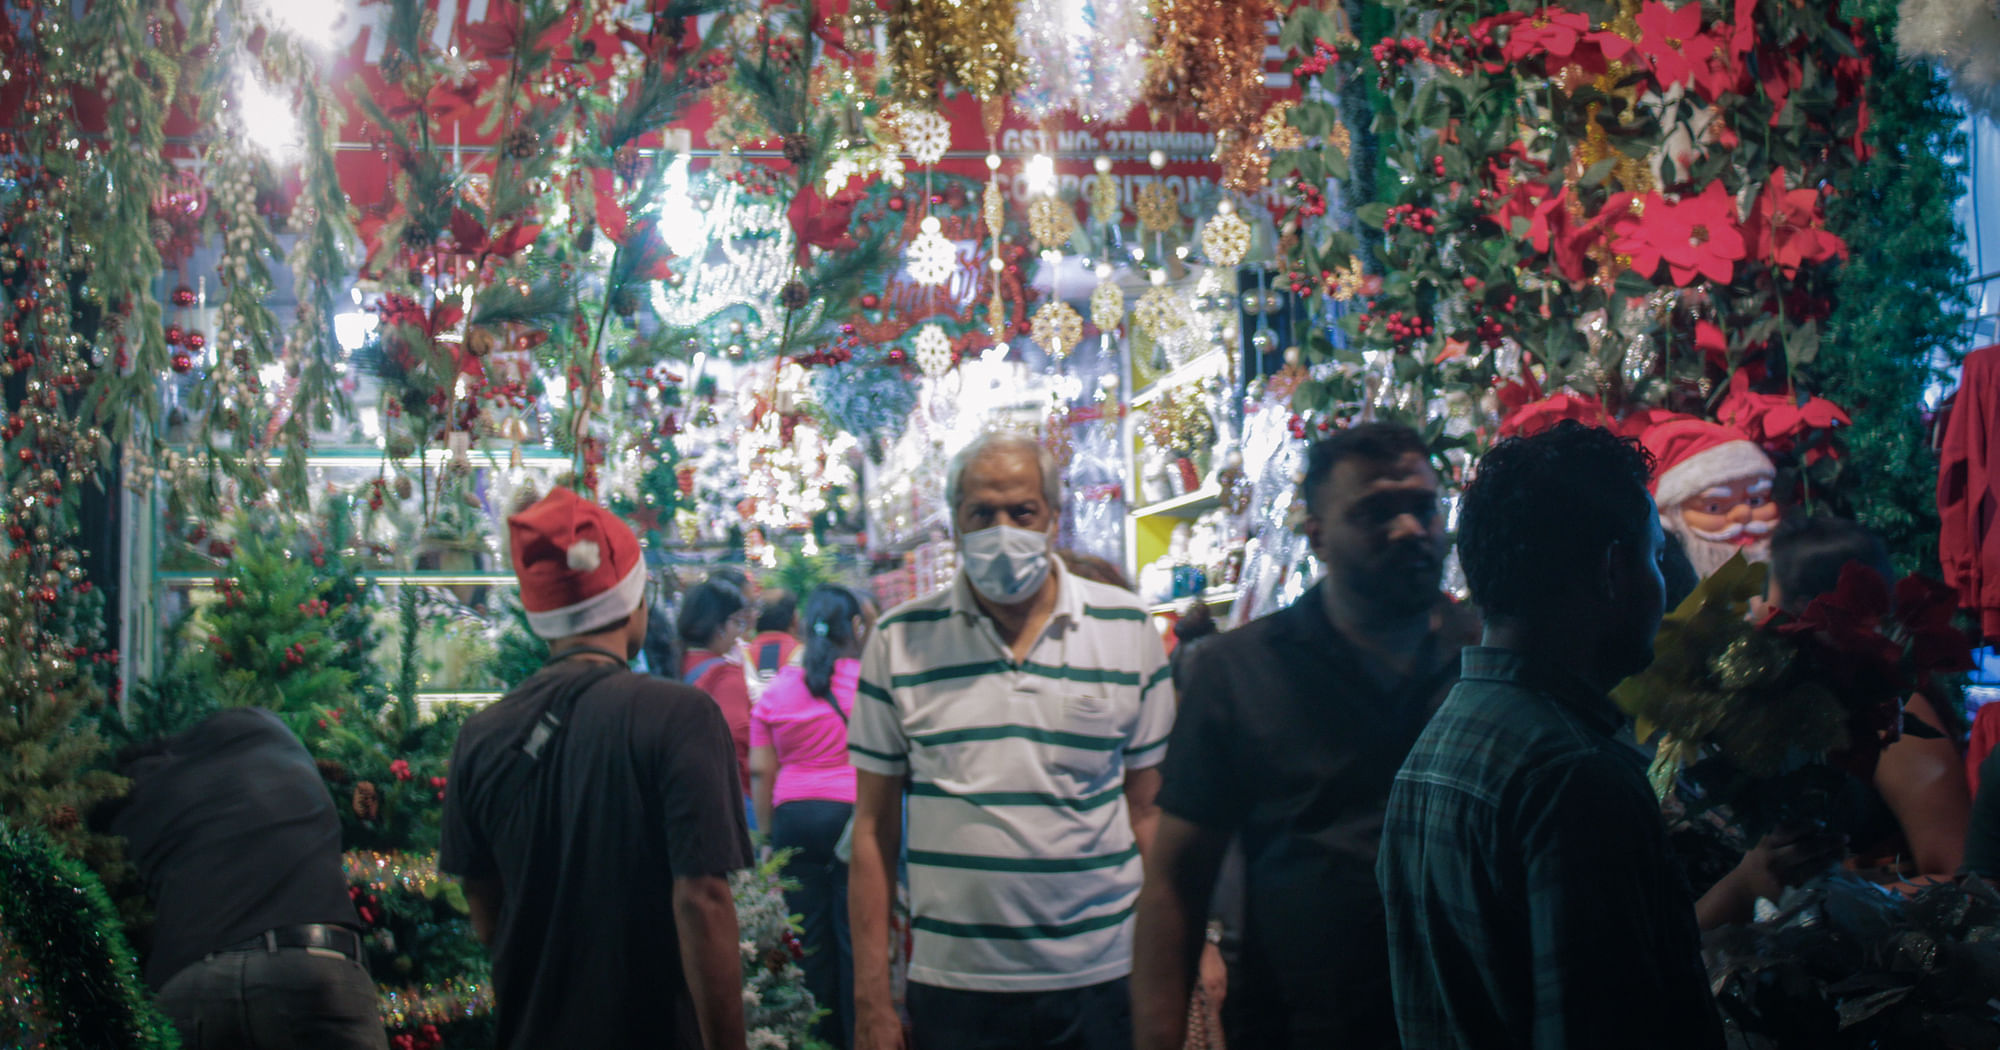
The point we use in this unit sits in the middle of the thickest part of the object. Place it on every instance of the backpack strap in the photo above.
(701, 669)
(548, 727)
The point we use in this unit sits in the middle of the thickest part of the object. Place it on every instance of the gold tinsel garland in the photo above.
(1158, 210)
(1057, 329)
(967, 42)
(1210, 65)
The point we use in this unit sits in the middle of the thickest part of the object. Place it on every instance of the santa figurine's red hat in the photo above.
(1693, 455)
(580, 567)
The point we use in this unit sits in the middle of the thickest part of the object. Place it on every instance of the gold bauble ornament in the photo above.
(1057, 329)
(1226, 239)
(1051, 221)
(1107, 306)
(1104, 207)
(1158, 210)
(1160, 313)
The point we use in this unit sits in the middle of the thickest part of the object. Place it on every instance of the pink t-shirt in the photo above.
(811, 741)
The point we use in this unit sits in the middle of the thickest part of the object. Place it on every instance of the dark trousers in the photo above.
(274, 1000)
(812, 828)
(1097, 1017)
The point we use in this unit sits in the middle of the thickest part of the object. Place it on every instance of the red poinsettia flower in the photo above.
(1780, 74)
(402, 311)
(1743, 28)
(1516, 394)
(1696, 236)
(823, 222)
(1925, 610)
(1671, 42)
(1713, 344)
(470, 238)
(1550, 38)
(1787, 226)
(1776, 421)
(506, 30)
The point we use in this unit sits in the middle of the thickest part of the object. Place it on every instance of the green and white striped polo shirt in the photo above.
(1023, 868)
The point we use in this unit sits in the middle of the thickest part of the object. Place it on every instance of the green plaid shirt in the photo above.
(1531, 901)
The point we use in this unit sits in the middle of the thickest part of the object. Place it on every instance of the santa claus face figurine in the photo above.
(1713, 488)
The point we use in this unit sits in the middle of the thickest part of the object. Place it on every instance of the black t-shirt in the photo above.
(639, 788)
(234, 833)
(1287, 737)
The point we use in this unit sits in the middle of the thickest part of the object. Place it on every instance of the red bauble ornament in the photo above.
(182, 362)
(870, 302)
(174, 335)
(183, 296)
(196, 340)
(897, 355)
(897, 204)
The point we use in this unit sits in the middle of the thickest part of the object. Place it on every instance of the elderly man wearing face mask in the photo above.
(1024, 712)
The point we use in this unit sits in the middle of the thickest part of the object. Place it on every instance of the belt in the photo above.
(315, 935)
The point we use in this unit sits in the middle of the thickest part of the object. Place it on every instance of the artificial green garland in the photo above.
(69, 978)
(1899, 298)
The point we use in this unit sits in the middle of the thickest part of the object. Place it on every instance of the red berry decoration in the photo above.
(174, 335)
(195, 341)
(182, 362)
(870, 301)
(183, 296)
(895, 204)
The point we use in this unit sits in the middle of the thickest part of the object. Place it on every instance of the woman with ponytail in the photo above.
(804, 790)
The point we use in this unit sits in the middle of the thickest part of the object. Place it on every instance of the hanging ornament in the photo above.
(931, 258)
(1107, 306)
(967, 42)
(926, 135)
(1050, 221)
(1158, 210)
(182, 362)
(1226, 238)
(1104, 209)
(993, 208)
(1057, 329)
(1083, 56)
(933, 351)
(1279, 134)
(1344, 282)
(1160, 313)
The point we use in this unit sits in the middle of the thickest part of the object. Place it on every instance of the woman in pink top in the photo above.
(804, 791)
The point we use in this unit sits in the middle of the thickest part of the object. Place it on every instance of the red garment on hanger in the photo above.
(1968, 493)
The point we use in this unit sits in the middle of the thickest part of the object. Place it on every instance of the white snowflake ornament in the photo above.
(933, 351)
(926, 135)
(931, 258)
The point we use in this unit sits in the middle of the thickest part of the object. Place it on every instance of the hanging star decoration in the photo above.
(1158, 210)
(926, 135)
(933, 351)
(1160, 313)
(931, 258)
(1107, 306)
(1057, 329)
(1050, 221)
(1226, 238)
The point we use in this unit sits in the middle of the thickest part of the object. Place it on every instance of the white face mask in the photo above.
(1004, 564)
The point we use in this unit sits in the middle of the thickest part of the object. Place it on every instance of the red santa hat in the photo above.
(1693, 455)
(580, 567)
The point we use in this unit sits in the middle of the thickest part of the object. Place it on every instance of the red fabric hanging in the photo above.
(1969, 490)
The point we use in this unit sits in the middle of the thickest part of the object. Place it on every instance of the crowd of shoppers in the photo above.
(1376, 818)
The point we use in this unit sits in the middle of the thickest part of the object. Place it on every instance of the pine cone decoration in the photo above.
(794, 295)
(62, 817)
(332, 771)
(367, 800)
(797, 148)
(521, 143)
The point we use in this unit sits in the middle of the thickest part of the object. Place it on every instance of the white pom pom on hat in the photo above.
(584, 556)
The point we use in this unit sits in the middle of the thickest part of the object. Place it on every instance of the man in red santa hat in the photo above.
(575, 794)
(1713, 487)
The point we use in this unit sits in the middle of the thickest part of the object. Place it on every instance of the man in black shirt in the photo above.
(1524, 866)
(1290, 731)
(573, 801)
(254, 939)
